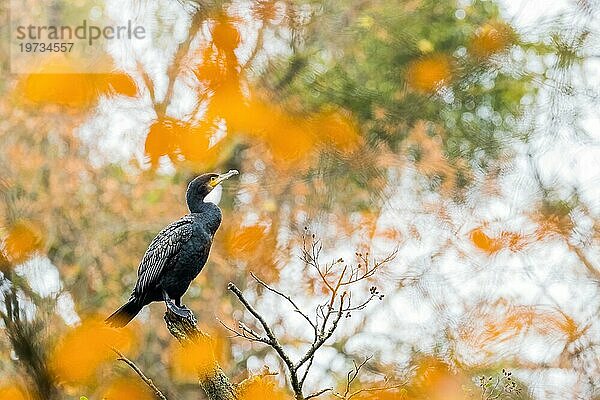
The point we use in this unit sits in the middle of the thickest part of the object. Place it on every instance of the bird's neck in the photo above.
(195, 202)
(196, 206)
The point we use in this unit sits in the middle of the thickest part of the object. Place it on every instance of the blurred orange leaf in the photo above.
(261, 388)
(491, 38)
(245, 240)
(125, 389)
(63, 89)
(225, 36)
(162, 139)
(194, 360)
(58, 83)
(435, 381)
(83, 349)
(511, 240)
(119, 83)
(339, 130)
(429, 73)
(23, 238)
(482, 241)
(13, 392)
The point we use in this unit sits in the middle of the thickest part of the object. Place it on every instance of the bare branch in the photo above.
(272, 340)
(288, 298)
(148, 82)
(246, 332)
(317, 394)
(323, 337)
(141, 374)
(351, 378)
(337, 277)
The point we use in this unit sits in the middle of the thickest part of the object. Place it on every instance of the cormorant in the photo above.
(176, 255)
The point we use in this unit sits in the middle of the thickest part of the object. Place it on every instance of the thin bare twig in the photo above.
(141, 374)
(272, 340)
(288, 298)
(317, 394)
(351, 378)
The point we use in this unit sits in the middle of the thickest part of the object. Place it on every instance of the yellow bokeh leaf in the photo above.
(194, 360)
(245, 240)
(82, 350)
(482, 241)
(290, 140)
(429, 73)
(491, 38)
(434, 380)
(162, 139)
(63, 89)
(261, 388)
(23, 239)
(13, 392)
(126, 389)
(119, 83)
(225, 36)
(338, 130)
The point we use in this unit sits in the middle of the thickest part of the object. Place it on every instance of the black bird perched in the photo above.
(176, 255)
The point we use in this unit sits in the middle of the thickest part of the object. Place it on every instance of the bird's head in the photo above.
(202, 185)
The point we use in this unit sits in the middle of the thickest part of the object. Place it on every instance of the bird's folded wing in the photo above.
(164, 246)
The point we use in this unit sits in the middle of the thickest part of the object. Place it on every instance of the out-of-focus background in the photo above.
(465, 134)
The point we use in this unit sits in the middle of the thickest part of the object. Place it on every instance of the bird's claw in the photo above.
(182, 311)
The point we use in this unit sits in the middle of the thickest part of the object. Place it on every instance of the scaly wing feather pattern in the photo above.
(164, 246)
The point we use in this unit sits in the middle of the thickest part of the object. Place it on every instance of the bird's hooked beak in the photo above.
(223, 177)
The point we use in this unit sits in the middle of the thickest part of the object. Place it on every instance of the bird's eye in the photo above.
(213, 180)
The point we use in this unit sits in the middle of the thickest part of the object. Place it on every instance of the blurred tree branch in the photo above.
(27, 345)
(141, 374)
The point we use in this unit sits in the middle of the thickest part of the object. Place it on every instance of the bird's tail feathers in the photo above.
(124, 314)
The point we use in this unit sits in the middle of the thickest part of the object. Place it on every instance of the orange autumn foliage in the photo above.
(290, 141)
(181, 141)
(194, 360)
(217, 69)
(225, 36)
(162, 139)
(482, 241)
(125, 389)
(261, 388)
(338, 130)
(245, 240)
(13, 392)
(254, 246)
(67, 90)
(59, 84)
(511, 240)
(491, 38)
(429, 73)
(290, 138)
(435, 381)
(82, 350)
(518, 319)
(23, 238)
(116, 83)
